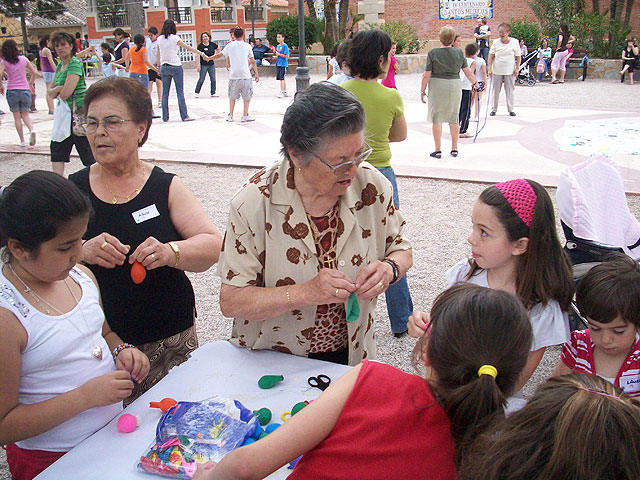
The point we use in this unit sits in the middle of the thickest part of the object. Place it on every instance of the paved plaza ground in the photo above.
(214, 158)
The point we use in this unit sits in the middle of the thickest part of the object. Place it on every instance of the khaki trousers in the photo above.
(509, 85)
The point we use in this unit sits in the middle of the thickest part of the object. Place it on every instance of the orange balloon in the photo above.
(164, 404)
(138, 272)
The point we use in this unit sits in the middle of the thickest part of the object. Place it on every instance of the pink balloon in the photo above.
(127, 423)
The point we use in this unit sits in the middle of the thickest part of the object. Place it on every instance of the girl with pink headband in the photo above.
(515, 248)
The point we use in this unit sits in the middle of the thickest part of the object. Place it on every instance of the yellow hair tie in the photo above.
(488, 370)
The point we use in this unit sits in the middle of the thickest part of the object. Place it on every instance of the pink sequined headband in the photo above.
(521, 197)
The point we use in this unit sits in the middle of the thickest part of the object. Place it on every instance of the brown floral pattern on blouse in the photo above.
(269, 243)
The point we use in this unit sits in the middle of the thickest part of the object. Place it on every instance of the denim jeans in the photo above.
(143, 78)
(168, 73)
(484, 53)
(399, 303)
(211, 70)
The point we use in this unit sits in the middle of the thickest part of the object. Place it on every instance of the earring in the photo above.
(299, 170)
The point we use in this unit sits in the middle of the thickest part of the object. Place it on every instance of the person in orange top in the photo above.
(140, 65)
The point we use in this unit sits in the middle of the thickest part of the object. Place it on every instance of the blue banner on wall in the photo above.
(460, 9)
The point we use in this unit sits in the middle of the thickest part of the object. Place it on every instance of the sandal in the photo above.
(454, 153)
(554, 82)
(436, 154)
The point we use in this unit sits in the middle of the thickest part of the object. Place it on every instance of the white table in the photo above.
(217, 368)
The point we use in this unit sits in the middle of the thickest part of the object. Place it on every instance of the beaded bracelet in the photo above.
(119, 348)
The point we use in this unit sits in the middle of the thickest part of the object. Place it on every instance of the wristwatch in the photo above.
(396, 271)
(176, 251)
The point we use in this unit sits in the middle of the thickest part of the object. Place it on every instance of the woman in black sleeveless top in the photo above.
(141, 214)
(629, 58)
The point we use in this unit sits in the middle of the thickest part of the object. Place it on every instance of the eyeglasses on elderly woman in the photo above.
(344, 167)
(111, 124)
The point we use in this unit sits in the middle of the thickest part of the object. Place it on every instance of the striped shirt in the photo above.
(577, 354)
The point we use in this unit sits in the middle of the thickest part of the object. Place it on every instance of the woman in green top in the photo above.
(69, 86)
(442, 74)
(368, 59)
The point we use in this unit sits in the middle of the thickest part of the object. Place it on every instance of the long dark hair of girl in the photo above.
(576, 427)
(472, 326)
(138, 39)
(543, 272)
(10, 51)
(35, 206)
(168, 28)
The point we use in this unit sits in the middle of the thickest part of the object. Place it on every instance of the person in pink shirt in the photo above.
(18, 88)
(390, 79)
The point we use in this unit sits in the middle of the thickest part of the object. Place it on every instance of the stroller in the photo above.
(595, 218)
(527, 71)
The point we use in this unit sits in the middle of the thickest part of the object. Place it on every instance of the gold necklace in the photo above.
(114, 197)
(97, 350)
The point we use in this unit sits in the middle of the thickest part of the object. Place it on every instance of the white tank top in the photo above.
(58, 358)
(169, 50)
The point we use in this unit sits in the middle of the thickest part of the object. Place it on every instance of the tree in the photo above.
(312, 9)
(343, 17)
(331, 19)
(135, 12)
(20, 9)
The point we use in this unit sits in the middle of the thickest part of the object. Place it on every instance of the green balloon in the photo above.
(353, 308)
(263, 415)
(297, 407)
(268, 381)
(262, 435)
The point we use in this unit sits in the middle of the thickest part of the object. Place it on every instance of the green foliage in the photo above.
(553, 13)
(289, 27)
(598, 35)
(44, 8)
(403, 34)
(528, 30)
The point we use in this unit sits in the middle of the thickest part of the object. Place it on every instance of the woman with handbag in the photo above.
(69, 86)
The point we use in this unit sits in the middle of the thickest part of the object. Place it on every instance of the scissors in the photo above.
(321, 381)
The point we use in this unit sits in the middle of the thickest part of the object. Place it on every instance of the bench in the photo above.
(576, 60)
(270, 70)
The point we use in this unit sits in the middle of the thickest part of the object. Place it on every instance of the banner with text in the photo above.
(459, 9)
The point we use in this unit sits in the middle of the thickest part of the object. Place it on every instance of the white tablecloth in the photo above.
(216, 368)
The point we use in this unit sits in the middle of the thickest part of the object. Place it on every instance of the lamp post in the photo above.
(253, 22)
(302, 72)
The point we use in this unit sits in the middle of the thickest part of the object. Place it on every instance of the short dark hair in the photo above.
(78, 35)
(322, 111)
(365, 51)
(65, 37)
(106, 57)
(470, 49)
(35, 206)
(168, 28)
(342, 53)
(281, 34)
(9, 51)
(118, 31)
(131, 92)
(43, 40)
(106, 46)
(152, 30)
(609, 289)
(238, 32)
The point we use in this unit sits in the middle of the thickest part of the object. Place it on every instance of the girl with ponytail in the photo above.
(379, 422)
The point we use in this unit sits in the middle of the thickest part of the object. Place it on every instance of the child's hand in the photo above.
(134, 362)
(107, 389)
(417, 323)
(204, 470)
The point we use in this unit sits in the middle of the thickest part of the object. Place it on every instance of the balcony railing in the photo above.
(258, 14)
(221, 14)
(179, 14)
(113, 19)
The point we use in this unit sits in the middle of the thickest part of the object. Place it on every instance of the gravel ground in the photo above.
(437, 214)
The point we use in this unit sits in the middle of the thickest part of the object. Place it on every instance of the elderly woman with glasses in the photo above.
(314, 239)
(146, 231)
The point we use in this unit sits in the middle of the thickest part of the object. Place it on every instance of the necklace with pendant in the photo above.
(136, 191)
(97, 350)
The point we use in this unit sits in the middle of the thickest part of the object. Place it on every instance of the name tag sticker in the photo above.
(145, 214)
(630, 384)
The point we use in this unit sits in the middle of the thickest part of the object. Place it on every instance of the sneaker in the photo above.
(154, 114)
(230, 118)
(188, 119)
(159, 104)
(284, 94)
(492, 114)
(247, 118)
(214, 95)
(281, 95)
(32, 138)
(23, 144)
(197, 95)
(512, 114)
